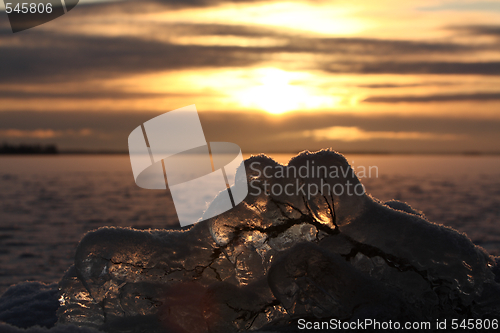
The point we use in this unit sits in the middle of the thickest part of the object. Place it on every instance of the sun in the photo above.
(275, 92)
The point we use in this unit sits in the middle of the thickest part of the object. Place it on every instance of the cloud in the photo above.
(435, 98)
(86, 59)
(245, 123)
(61, 58)
(480, 30)
(402, 85)
(389, 85)
(267, 133)
(353, 133)
(88, 94)
(427, 67)
(464, 6)
(372, 46)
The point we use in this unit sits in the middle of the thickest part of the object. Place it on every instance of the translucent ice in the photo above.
(307, 242)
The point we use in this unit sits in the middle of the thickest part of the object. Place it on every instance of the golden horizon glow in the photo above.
(353, 133)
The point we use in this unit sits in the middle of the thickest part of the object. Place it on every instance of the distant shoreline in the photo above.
(28, 149)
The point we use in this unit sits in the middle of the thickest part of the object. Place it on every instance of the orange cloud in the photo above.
(352, 133)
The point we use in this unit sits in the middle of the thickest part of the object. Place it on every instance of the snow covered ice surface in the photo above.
(278, 257)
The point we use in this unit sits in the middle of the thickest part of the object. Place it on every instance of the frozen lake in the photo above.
(47, 203)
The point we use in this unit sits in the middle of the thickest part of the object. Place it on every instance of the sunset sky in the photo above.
(272, 76)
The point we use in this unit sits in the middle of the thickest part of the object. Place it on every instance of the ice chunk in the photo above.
(30, 307)
(308, 280)
(28, 304)
(307, 241)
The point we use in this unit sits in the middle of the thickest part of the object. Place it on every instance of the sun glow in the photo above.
(277, 91)
(320, 18)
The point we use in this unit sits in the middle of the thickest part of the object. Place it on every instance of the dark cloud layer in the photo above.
(374, 47)
(421, 67)
(90, 95)
(264, 133)
(480, 30)
(395, 85)
(239, 123)
(69, 58)
(97, 57)
(435, 98)
(248, 123)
